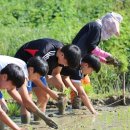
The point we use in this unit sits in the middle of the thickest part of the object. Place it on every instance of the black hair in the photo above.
(15, 74)
(73, 55)
(92, 61)
(40, 65)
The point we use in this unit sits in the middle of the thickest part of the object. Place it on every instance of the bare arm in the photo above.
(4, 118)
(68, 83)
(52, 93)
(16, 96)
(27, 101)
(84, 97)
(56, 74)
(30, 105)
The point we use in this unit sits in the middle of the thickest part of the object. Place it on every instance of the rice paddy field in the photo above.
(109, 118)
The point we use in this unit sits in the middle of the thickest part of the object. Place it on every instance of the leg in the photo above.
(30, 105)
(42, 84)
(84, 98)
(42, 98)
(2, 126)
(41, 95)
(25, 114)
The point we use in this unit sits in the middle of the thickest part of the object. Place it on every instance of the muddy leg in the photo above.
(25, 119)
(62, 102)
(25, 114)
(42, 100)
(76, 104)
(2, 126)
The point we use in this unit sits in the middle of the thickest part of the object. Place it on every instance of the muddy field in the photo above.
(110, 118)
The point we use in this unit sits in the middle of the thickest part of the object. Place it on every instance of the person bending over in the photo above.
(14, 75)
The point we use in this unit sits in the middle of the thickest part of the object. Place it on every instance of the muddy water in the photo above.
(110, 118)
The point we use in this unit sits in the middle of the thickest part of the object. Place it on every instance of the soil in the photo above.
(111, 117)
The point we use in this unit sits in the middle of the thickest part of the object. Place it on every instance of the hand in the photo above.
(112, 61)
(51, 123)
(65, 90)
(47, 120)
(76, 92)
(95, 113)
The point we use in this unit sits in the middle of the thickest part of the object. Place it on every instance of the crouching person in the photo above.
(57, 56)
(10, 77)
(13, 76)
(88, 64)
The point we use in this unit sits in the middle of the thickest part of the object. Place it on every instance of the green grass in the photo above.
(14, 109)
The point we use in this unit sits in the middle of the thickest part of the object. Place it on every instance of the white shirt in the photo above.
(5, 60)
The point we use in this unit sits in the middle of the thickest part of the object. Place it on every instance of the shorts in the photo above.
(31, 84)
(74, 74)
(1, 95)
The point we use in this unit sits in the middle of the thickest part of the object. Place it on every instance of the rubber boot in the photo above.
(76, 104)
(2, 126)
(62, 102)
(25, 119)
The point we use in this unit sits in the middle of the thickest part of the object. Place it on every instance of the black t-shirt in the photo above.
(88, 37)
(46, 48)
(74, 74)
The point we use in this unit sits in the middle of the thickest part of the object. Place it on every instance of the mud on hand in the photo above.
(47, 120)
(51, 123)
(112, 61)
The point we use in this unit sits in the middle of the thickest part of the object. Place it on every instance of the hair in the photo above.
(15, 74)
(92, 62)
(40, 65)
(73, 55)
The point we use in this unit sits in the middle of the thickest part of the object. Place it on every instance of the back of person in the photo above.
(42, 47)
(45, 48)
(5, 60)
(88, 37)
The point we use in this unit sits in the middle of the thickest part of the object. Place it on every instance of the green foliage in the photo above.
(88, 88)
(67, 91)
(106, 80)
(5, 95)
(14, 109)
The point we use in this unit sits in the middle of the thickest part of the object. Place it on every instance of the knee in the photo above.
(59, 86)
(81, 93)
(46, 97)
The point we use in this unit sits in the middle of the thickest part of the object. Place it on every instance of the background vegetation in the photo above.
(25, 20)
